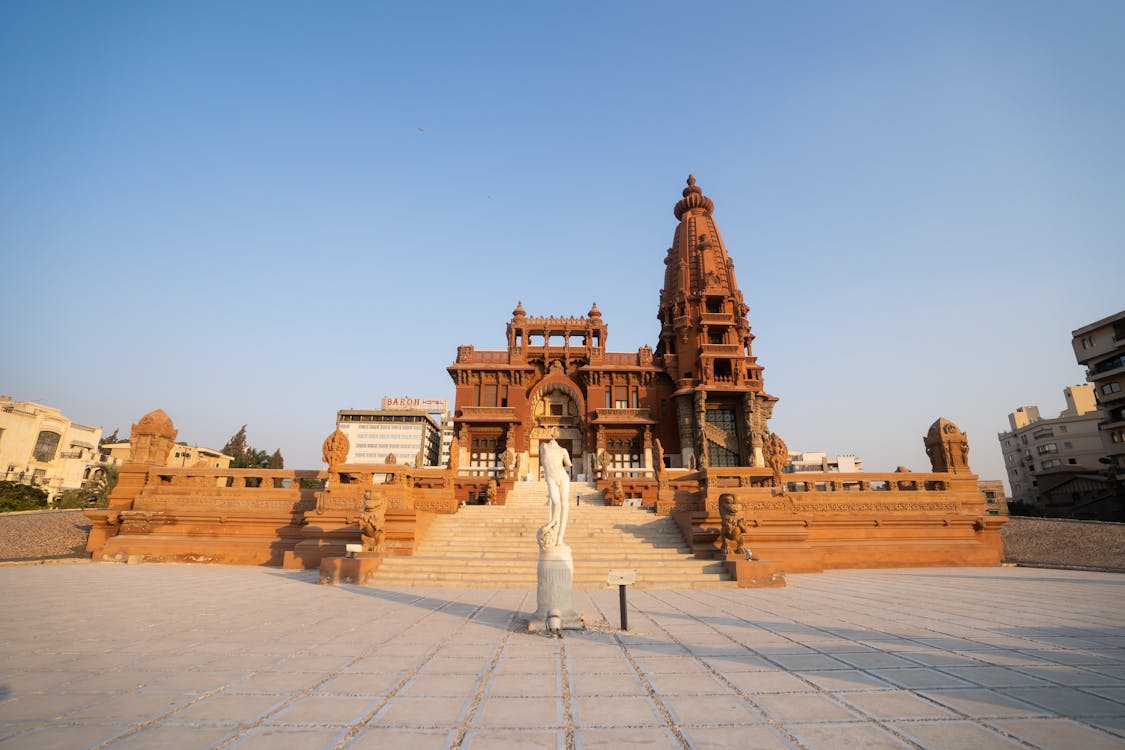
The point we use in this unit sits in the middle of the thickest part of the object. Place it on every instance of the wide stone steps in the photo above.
(495, 546)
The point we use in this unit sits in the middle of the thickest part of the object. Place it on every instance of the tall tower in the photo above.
(705, 339)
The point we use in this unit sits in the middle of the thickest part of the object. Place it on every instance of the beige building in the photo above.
(1100, 347)
(1035, 448)
(375, 433)
(996, 503)
(41, 447)
(806, 461)
(116, 454)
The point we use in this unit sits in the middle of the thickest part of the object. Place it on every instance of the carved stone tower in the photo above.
(705, 339)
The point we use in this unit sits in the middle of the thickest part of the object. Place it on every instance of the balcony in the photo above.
(1109, 364)
(488, 414)
(622, 416)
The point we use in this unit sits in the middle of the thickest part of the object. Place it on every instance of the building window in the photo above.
(1047, 449)
(1109, 388)
(46, 446)
(1051, 463)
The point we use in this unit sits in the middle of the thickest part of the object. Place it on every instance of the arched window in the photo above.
(46, 446)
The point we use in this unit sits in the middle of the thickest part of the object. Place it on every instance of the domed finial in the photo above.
(693, 198)
(519, 312)
(594, 311)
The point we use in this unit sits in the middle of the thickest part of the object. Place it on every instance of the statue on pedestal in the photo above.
(733, 527)
(373, 522)
(555, 461)
(555, 573)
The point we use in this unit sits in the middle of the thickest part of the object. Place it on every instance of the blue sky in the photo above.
(264, 212)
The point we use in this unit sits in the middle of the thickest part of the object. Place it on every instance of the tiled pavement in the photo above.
(168, 656)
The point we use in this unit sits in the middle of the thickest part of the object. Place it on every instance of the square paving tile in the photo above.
(511, 739)
(1067, 701)
(896, 704)
(518, 685)
(841, 680)
(804, 707)
(994, 676)
(130, 709)
(401, 739)
(290, 738)
(441, 684)
(175, 738)
(710, 709)
(919, 678)
(520, 712)
(614, 739)
(227, 709)
(361, 683)
(983, 703)
(1060, 733)
(616, 711)
(65, 738)
(809, 661)
(41, 707)
(955, 735)
(324, 709)
(192, 682)
(735, 738)
(605, 684)
(421, 713)
(835, 736)
(768, 682)
(686, 684)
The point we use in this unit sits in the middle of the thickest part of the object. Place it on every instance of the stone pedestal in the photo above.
(555, 590)
(349, 569)
(756, 574)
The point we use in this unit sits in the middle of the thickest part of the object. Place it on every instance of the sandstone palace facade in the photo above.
(696, 401)
(680, 431)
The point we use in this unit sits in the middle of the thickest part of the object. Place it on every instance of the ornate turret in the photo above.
(705, 343)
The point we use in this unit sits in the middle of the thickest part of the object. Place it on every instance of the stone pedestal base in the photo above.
(756, 574)
(349, 569)
(555, 590)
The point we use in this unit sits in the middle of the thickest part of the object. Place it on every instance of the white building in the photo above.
(376, 433)
(806, 461)
(41, 447)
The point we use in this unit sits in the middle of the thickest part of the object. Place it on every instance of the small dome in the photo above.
(155, 423)
(594, 311)
(693, 198)
(519, 312)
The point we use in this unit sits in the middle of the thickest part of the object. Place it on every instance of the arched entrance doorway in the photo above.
(557, 406)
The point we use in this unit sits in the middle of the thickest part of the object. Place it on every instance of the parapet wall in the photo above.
(816, 521)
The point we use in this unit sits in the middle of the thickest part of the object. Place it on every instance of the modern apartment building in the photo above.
(1035, 448)
(376, 433)
(1100, 347)
(41, 447)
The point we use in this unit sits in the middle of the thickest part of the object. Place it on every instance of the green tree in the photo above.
(276, 461)
(16, 496)
(245, 456)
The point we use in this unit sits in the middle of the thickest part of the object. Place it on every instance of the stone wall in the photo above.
(1063, 542)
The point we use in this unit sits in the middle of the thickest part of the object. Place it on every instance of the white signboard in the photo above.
(428, 405)
(622, 577)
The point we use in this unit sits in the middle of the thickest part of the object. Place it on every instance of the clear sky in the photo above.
(265, 212)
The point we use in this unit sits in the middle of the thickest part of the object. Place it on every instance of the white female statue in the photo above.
(556, 469)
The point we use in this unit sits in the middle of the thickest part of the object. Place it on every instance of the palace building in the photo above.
(696, 401)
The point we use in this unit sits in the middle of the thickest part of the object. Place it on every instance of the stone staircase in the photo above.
(494, 546)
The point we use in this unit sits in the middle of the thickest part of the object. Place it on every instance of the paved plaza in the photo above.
(180, 656)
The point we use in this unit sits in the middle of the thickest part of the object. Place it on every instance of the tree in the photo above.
(16, 496)
(245, 456)
(276, 461)
(110, 439)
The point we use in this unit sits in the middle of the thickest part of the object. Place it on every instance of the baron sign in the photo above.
(428, 405)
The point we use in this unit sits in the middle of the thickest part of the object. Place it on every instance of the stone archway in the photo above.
(557, 405)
